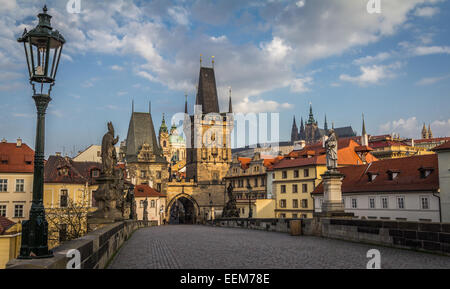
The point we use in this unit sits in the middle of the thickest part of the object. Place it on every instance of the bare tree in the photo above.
(66, 223)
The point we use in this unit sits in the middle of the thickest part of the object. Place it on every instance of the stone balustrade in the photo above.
(96, 248)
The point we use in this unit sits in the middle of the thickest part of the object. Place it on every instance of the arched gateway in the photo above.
(182, 209)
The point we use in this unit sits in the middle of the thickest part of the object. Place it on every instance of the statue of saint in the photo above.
(109, 157)
(331, 146)
(145, 218)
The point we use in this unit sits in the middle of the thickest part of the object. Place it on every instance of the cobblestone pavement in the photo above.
(202, 247)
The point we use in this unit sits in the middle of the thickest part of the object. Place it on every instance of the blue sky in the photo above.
(278, 56)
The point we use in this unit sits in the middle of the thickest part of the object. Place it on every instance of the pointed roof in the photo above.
(230, 105)
(186, 104)
(364, 126)
(311, 119)
(326, 124)
(294, 133)
(141, 131)
(163, 127)
(207, 91)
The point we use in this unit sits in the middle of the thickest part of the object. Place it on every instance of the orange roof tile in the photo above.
(15, 159)
(145, 191)
(5, 224)
(444, 146)
(409, 179)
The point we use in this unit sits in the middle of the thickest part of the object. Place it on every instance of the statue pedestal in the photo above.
(106, 197)
(332, 191)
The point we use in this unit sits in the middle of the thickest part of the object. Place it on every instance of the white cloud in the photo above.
(432, 80)
(426, 50)
(405, 127)
(300, 3)
(277, 49)
(426, 11)
(219, 39)
(257, 106)
(372, 59)
(372, 74)
(441, 128)
(179, 15)
(117, 68)
(300, 85)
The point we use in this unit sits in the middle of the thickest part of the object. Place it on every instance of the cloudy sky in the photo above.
(277, 55)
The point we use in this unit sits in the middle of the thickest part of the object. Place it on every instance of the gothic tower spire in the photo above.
(325, 126)
(364, 136)
(424, 132)
(430, 133)
(294, 133)
(230, 105)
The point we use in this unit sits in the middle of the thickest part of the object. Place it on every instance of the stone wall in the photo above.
(96, 248)
(428, 237)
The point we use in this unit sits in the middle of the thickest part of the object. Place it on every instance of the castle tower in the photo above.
(164, 139)
(294, 133)
(209, 148)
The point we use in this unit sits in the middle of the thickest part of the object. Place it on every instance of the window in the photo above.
(354, 203)
(3, 185)
(392, 175)
(283, 189)
(294, 216)
(424, 202)
(143, 174)
(20, 185)
(243, 210)
(320, 203)
(304, 203)
(296, 174)
(295, 204)
(283, 216)
(256, 183)
(284, 175)
(95, 173)
(158, 174)
(372, 203)
(400, 203)
(3, 210)
(141, 204)
(306, 173)
(263, 182)
(158, 187)
(283, 203)
(62, 232)
(305, 188)
(63, 198)
(99, 153)
(273, 176)
(385, 202)
(18, 211)
(152, 204)
(304, 216)
(295, 189)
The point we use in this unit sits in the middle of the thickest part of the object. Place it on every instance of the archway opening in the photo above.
(182, 212)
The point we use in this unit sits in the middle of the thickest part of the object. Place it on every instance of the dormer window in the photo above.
(393, 175)
(425, 172)
(64, 171)
(372, 176)
(95, 173)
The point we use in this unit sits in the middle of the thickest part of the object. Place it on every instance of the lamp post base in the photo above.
(34, 239)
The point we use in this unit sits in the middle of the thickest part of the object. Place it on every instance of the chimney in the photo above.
(4, 140)
(58, 154)
(19, 143)
(299, 145)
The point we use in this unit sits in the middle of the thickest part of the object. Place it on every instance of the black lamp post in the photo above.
(250, 208)
(43, 47)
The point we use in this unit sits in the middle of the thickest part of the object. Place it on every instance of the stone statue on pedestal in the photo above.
(109, 195)
(331, 146)
(230, 210)
(145, 218)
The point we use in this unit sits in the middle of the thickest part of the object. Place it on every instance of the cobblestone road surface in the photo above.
(202, 247)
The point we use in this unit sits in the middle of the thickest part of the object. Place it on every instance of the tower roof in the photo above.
(311, 119)
(163, 127)
(207, 91)
(141, 131)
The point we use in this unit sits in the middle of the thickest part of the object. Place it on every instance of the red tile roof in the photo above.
(431, 140)
(145, 191)
(78, 172)
(316, 155)
(15, 159)
(409, 177)
(444, 146)
(5, 224)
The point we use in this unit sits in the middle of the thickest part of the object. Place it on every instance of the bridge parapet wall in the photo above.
(96, 248)
(420, 236)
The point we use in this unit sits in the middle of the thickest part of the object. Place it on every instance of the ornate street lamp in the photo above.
(43, 47)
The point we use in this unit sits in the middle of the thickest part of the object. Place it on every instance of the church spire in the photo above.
(302, 135)
(325, 126)
(311, 115)
(364, 136)
(294, 133)
(185, 103)
(424, 132)
(430, 133)
(230, 105)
